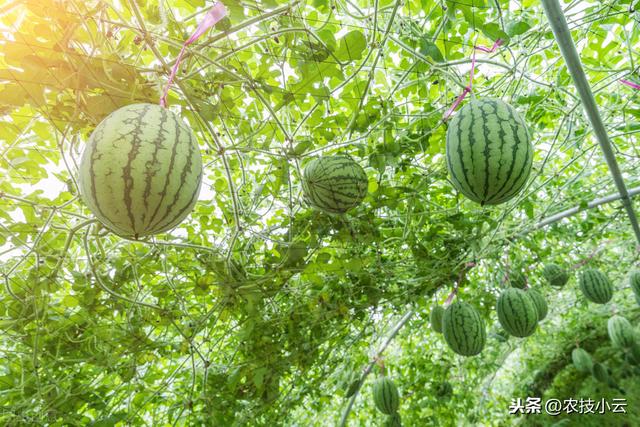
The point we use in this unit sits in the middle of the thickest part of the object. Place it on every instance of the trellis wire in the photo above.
(562, 34)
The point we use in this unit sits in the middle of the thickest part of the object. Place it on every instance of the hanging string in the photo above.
(630, 83)
(469, 88)
(213, 16)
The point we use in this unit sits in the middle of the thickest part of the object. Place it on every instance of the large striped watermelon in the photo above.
(334, 184)
(141, 170)
(386, 396)
(621, 332)
(464, 329)
(595, 286)
(517, 312)
(489, 152)
(555, 275)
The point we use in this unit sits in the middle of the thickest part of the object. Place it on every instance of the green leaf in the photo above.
(494, 32)
(70, 301)
(428, 48)
(518, 28)
(351, 46)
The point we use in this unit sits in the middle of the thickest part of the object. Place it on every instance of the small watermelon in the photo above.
(595, 286)
(334, 184)
(442, 390)
(489, 151)
(621, 332)
(555, 275)
(582, 360)
(517, 312)
(141, 170)
(540, 303)
(436, 318)
(386, 396)
(517, 279)
(463, 329)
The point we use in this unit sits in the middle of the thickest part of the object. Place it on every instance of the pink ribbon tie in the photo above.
(467, 90)
(630, 84)
(213, 16)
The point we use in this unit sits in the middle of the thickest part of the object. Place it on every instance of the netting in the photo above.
(257, 307)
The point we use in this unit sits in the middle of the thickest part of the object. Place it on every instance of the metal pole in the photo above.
(562, 34)
(577, 209)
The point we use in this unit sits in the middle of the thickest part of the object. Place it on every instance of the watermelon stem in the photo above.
(461, 277)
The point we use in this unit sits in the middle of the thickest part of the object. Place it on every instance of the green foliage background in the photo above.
(258, 310)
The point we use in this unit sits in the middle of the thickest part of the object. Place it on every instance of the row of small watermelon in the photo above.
(624, 337)
(583, 362)
(489, 157)
(594, 284)
(464, 329)
(141, 170)
(520, 308)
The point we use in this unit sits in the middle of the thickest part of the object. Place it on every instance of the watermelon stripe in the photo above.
(186, 206)
(524, 169)
(136, 142)
(512, 152)
(151, 173)
(502, 137)
(167, 181)
(600, 290)
(486, 152)
(386, 397)
(461, 153)
(173, 205)
(91, 196)
(457, 317)
(456, 144)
